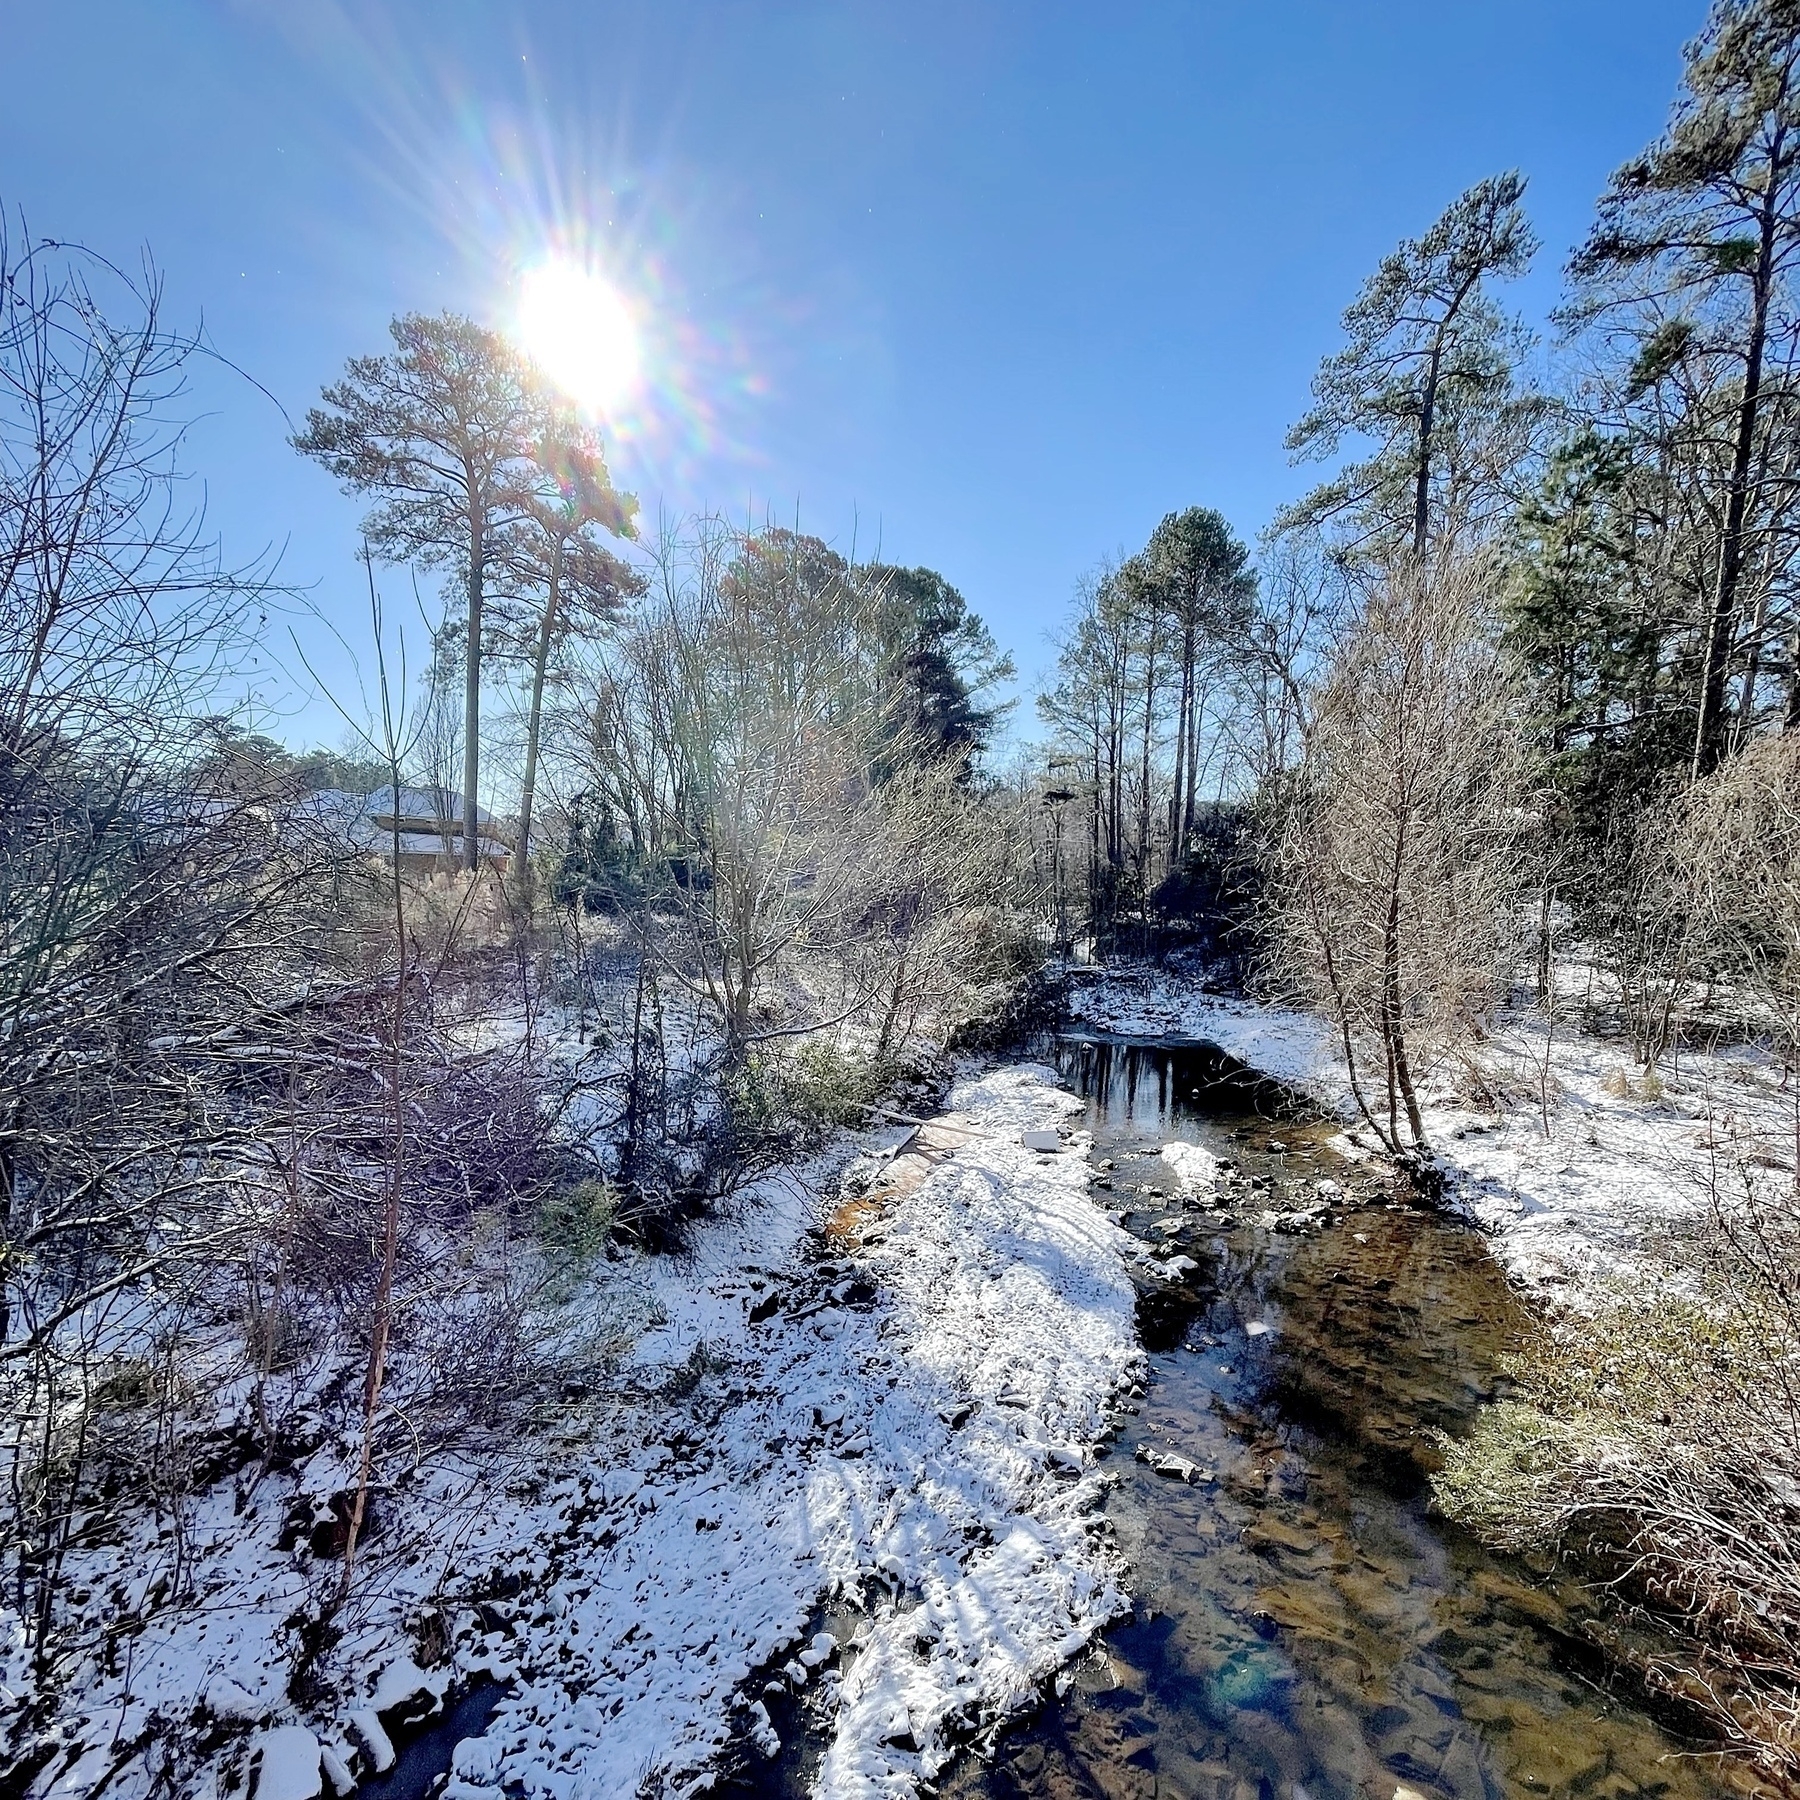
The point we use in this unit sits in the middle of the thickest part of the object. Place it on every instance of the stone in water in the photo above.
(1177, 1468)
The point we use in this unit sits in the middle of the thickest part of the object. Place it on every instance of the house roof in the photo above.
(427, 805)
(430, 820)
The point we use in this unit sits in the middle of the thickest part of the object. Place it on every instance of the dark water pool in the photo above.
(423, 1758)
(1306, 1629)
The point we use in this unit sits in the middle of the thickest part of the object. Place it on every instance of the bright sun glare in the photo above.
(578, 331)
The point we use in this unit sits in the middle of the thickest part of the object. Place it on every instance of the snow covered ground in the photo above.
(898, 1425)
(907, 1423)
(1583, 1174)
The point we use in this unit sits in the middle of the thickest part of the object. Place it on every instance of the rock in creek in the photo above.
(1177, 1468)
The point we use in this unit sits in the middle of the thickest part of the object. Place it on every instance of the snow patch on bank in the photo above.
(1147, 1003)
(929, 1458)
(1589, 1178)
(1010, 1297)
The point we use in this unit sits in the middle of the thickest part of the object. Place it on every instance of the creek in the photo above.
(1305, 1627)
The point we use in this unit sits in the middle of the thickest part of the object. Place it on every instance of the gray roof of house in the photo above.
(430, 820)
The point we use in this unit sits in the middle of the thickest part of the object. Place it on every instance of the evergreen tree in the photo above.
(1429, 376)
(440, 435)
(1582, 623)
(1692, 256)
(945, 662)
(1200, 576)
(561, 579)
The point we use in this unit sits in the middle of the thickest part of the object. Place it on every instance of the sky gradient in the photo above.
(986, 287)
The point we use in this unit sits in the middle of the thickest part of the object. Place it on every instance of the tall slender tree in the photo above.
(440, 434)
(1140, 594)
(559, 577)
(1201, 574)
(1428, 376)
(1696, 244)
(1088, 709)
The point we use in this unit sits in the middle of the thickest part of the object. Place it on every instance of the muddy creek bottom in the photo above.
(1305, 1628)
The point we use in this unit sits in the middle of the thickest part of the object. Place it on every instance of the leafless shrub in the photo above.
(1737, 852)
(1645, 942)
(237, 1135)
(1392, 870)
(145, 906)
(1704, 914)
(935, 927)
(791, 860)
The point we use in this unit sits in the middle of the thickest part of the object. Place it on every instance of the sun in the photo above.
(579, 332)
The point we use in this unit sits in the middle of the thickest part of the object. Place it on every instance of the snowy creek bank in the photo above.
(859, 1495)
(852, 1456)
(895, 1420)
(1586, 1174)
(905, 1427)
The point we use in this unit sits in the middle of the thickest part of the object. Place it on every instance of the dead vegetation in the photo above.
(1655, 1444)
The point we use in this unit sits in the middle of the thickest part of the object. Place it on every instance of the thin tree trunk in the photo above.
(1322, 928)
(1393, 1027)
(885, 1040)
(1177, 840)
(44, 1591)
(634, 1094)
(1115, 790)
(1094, 848)
(1746, 708)
(1193, 765)
(1543, 951)
(381, 1324)
(1387, 1059)
(1709, 735)
(1143, 843)
(472, 682)
(529, 785)
(1427, 422)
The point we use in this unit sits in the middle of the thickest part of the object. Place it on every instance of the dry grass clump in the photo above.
(1656, 1445)
(1620, 1084)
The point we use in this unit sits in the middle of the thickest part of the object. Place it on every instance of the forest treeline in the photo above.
(1497, 735)
(1524, 667)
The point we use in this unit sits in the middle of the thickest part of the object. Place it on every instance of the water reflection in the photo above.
(1306, 1630)
(1157, 1086)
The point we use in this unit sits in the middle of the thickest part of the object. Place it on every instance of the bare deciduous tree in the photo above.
(1393, 870)
(146, 901)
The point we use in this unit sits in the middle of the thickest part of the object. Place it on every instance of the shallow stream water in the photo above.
(1306, 1629)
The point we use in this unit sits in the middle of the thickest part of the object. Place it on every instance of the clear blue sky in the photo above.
(994, 286)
